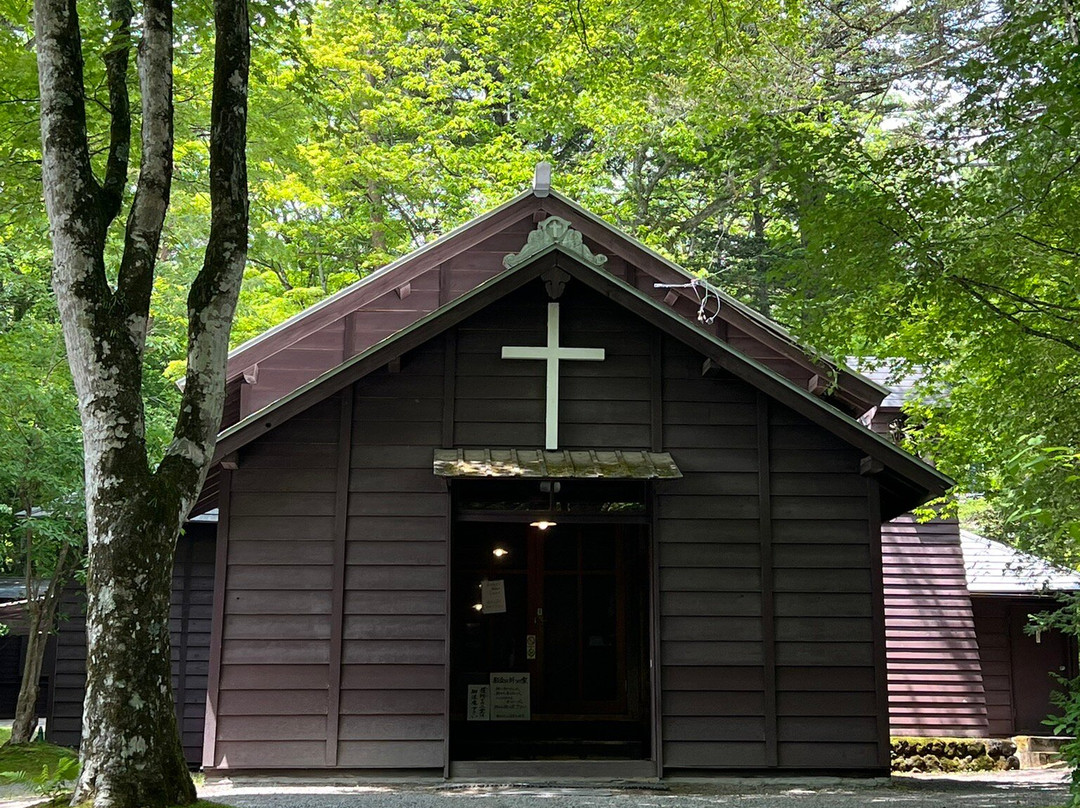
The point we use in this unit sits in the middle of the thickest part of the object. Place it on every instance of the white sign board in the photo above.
(510, 697)
(479, 708)
(493, 596)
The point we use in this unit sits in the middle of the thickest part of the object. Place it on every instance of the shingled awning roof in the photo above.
(562, 464)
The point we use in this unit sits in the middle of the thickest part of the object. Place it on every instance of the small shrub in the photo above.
(50, 781)
(1068, 723)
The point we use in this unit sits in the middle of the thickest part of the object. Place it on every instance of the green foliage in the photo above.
(41, 503)
(1067, 723)
(65, 802)
(58, 767)
(1065, 619)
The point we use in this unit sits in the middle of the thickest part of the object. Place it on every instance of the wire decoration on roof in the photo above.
(703, 292)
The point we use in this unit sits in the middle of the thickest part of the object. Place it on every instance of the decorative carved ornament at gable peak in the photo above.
(554, 230)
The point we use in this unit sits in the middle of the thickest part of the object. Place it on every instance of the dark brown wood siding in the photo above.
(765, 548)
(274, 660)
(331, 664)
(189, 632)
(766, 573)
(64, 720)
(393, 628)
(1017, 667)
(935, 675)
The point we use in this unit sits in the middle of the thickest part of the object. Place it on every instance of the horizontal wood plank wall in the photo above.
(189, 630)
(716, 713)
(604, 404)
(708, 537)
(828, 704)
(935, 676)
(393, 653)
(272, 698)
(991, 617)
(64, 722)
(192, 596)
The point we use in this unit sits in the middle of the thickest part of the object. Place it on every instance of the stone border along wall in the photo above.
(952, 755)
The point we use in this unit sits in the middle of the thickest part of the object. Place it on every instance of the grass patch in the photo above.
(5, 734)
(32, 757)
(62, 802)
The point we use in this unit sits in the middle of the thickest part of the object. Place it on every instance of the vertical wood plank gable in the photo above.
(449, 390)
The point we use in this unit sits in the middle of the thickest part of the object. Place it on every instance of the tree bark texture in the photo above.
(26, 718)
(131, 753)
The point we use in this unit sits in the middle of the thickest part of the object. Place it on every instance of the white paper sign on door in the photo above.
(479, 703)
(493, 596)
(510, 697)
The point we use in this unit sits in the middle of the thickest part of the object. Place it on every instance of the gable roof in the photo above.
(906, 480)
(995, 568)
(854, 391)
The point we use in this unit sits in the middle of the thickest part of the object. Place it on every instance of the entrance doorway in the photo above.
(549, 631)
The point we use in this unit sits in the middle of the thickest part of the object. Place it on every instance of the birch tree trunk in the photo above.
(131, 753)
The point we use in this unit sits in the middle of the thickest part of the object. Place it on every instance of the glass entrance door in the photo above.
(549, 641)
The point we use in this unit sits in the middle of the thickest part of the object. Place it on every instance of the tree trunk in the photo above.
(761, 263)
(26, 719)
(131, 754)
(129, 719)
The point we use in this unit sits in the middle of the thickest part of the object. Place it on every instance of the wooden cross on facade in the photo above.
(552, 353)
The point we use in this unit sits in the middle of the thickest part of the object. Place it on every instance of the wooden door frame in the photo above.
(651, 768)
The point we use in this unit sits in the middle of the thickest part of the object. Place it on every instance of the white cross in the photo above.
(552, 353)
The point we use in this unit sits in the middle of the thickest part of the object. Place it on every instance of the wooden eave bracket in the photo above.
(818, 385)
(394, 365)
(870, 466)
(671, 297)
(230, 461)
(251, 374)
(404, 291)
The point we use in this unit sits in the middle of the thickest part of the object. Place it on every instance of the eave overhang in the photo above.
(906, 481)
(848, 387)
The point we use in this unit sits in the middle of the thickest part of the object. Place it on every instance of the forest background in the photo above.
(887, 179)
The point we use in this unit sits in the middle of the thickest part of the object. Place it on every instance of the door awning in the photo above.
(560, 464)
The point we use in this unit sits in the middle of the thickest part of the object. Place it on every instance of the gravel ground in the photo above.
(1028, 789)
(1023, 789)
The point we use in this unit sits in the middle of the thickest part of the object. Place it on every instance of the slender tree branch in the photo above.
(65, 153)
(1012, 318)
(276, 268)
(116, 71)
(1038, 306)
(213, 295)
(1051, 247)
(147, 216)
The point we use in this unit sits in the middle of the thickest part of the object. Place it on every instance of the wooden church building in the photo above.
(532, 501)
